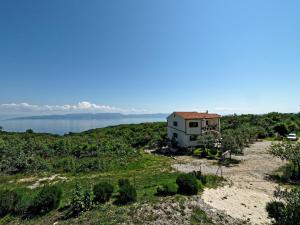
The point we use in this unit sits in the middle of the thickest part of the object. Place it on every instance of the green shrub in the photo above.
(187, 184)
(123, 182)
(167, 189)
(201, 152)
(90, 164)
(77, 205)
(8, 200)
(127, 192)
(198, 152)
(23, 205)
(46, 200)
(210, 180)
(285, 209)
(67, 164)
(102, 192)
(213, 151)
(38, 164)
(197, 174)
(88, 199)
(290, 172)
(276, 210)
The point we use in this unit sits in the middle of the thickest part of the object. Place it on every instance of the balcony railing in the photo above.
(210, 127)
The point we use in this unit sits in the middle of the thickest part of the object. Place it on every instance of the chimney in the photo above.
(206, 111)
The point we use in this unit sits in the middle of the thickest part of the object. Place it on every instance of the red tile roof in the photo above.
(196, 115)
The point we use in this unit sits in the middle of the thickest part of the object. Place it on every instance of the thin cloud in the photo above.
(231, 110)
(83, 106)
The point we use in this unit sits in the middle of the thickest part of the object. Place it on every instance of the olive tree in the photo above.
(207, 140)
(287, 151)
(229, 143)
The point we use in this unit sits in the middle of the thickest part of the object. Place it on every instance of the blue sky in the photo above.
(149, 56)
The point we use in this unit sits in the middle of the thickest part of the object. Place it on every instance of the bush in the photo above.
(123, 182)
(211, 181)
(23, 205)
(276, 210)
(46, 200)
(198, 152)
(167, 189)
(187, 184)
(197, 174)
(290, 172)
(285, 209)
(67, 164)
(88, 199)
(77, 205)
(213, 151)
(127, 192)
(8, 200)
(102, 192)
(90, 164)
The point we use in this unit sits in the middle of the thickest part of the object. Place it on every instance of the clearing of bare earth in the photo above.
(248, 189)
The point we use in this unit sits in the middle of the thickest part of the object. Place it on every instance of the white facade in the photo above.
(187, 130)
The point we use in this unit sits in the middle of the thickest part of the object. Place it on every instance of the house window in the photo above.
(175, 135)
(207, 123)
(193, 138)
(175, 123)
(193, 124)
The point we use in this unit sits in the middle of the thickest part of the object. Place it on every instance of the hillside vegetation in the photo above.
(267, 125)
(75, 168)
(106, 148)
(95, 150)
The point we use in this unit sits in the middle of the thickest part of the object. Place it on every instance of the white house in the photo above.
(185, 127)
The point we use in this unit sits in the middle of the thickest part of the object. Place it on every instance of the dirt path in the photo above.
(248, 191)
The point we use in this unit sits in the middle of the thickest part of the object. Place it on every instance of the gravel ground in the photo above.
(248, 191)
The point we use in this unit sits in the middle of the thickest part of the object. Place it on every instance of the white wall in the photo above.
(180, 122)
(193, 130)
(179, 129)
(184, 131)
(181, 137)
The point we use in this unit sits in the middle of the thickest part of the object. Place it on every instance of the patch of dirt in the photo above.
(248, 191)
(37, 182)
(25, 180)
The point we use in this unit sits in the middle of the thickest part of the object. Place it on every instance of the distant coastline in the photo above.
(92, 116)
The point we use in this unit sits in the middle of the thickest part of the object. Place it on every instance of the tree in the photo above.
(29, 131)
(285, 209)
(287, 151)
(207, 140)
(1, 128)
(281, 129)
(229, 143)
(292, 126)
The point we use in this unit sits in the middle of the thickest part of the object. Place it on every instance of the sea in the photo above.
(64, 126)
